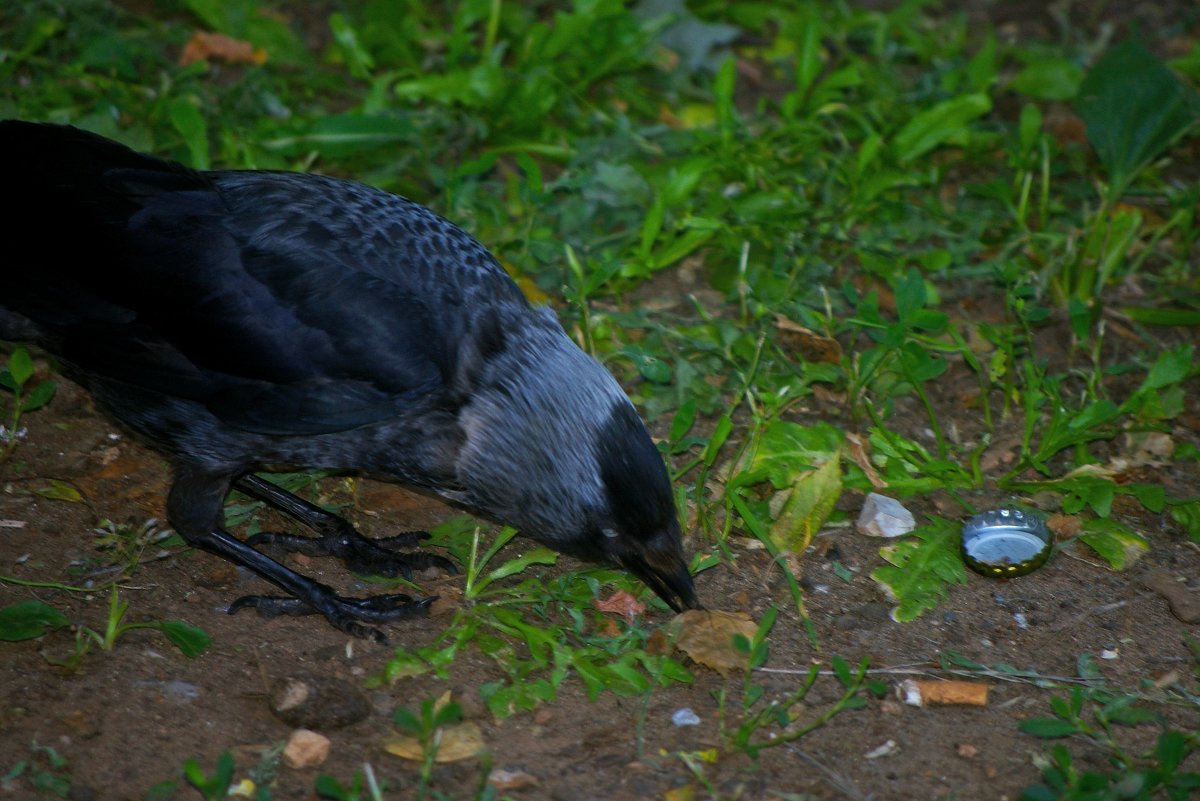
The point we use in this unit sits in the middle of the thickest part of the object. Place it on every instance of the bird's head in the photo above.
(639, 530)
(555, 448)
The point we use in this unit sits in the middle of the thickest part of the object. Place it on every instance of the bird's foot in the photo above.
(359, 554)
(345, 614)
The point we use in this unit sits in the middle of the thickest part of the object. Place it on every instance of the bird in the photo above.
(247, 321)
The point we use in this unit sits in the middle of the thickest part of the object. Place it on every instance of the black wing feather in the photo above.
(287, 304)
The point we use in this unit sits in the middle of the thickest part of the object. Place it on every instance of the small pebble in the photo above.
(884, 517)
(684, 716)
(305, 749)
(887, 749)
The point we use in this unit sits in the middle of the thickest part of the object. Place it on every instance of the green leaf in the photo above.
(720, 433)
(649, 366)
(920, 568)
(39, 396)
(340, 135)
(59, 491)
(808, 506)
(187, 119)
(358, 60)
(1190, 317)
(1051, 78)
(945, 123)
(189, 639)
(1170, 367)
(538, 556)
(25, 620)
(682, 422)
(1152, 496)
(1134, 108)
(1115, 543)
(723, 88)
(1048, 728)
(679, 247)
(786, 449)
(20, 366)
(1187, 515)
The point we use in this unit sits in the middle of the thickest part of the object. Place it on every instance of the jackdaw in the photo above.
(244, 321)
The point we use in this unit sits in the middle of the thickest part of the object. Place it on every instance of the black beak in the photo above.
(666, 573)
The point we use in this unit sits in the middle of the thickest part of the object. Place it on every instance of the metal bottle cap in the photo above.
(1006, 542)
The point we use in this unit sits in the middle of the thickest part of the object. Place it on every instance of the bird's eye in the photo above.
(611, 533)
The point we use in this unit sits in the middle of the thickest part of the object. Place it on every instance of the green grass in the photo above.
(678, 184)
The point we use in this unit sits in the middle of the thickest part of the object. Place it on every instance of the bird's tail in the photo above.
(71, 195)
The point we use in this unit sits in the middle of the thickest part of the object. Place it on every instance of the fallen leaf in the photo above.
(454, 744)
(857, 448)
(808, 344)
(621, 603)
(1065, 526)
(59, 491)
(206, 46)
(707, 637)
(808, 505)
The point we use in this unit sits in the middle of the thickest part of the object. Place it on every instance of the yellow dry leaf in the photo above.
(809, 504)
(454, 744)
(707, 637)
(685, 793)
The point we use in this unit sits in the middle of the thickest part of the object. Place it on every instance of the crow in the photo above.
(243, 321)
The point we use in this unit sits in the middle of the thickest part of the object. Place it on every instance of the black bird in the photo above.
(243, 321)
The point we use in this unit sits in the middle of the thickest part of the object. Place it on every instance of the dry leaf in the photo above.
(707, 637)
(205, 46)
(1065, 526)
(808, 344)
(455, 743)
(857, 448)
(685, 793)
(621, 603)
(458, 742)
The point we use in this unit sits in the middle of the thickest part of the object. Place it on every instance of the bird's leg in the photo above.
(338, 537)
(194, 507)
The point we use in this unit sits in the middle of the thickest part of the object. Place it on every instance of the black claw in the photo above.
(346, 614)
(360, 555)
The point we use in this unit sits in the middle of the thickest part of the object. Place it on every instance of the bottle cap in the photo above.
(1006, 542)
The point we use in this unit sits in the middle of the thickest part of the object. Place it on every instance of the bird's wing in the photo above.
(287, 304)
